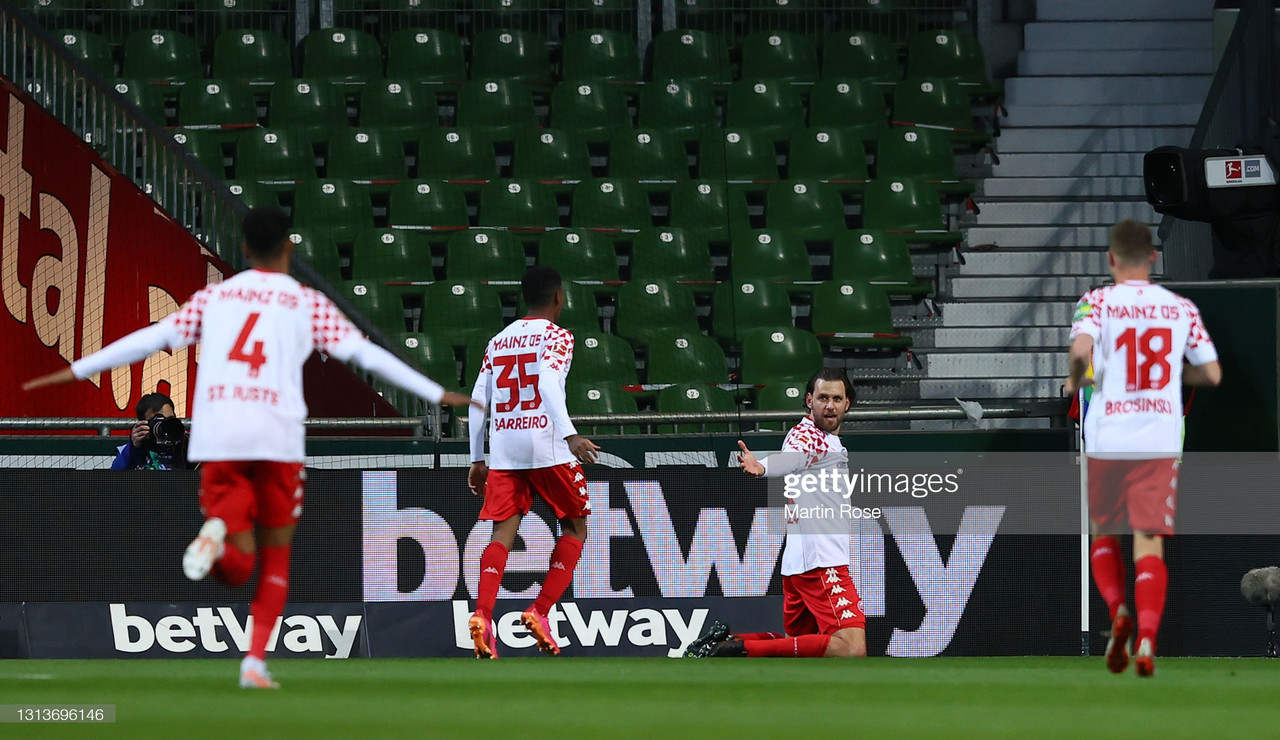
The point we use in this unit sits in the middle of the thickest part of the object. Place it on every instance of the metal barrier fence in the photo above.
(1235, 112)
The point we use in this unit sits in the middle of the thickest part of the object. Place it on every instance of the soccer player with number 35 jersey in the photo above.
(533, 448)
(256, 331)
(1137, 336)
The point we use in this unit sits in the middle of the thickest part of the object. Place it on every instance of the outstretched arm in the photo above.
(773, 466)
(127, 350)
(390, 368)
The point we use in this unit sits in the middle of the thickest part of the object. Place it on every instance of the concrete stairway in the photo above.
(1100, 83)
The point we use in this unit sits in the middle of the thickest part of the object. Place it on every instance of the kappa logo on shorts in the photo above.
(843, 602)
(833, 575)
(491, 569)
(846, 614)
(579, 476)
(837, 589)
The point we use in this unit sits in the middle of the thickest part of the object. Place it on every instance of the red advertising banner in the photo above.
(85, 258)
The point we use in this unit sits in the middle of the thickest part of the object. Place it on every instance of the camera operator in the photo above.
(159, 439)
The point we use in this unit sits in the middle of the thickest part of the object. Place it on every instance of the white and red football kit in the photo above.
(1141, 334)
(819, 596)
(521, 387)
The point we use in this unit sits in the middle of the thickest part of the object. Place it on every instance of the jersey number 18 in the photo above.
(1151, 371)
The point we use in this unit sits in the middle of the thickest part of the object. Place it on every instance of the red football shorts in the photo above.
(821, 601)
(1145, 492)
(243, 493)
(510, 492)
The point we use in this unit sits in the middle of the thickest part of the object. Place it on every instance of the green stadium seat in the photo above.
(426, 55)
(148, 98)
(647, 155)
(683, 109)
(433, 203)
(771, 107)
(878, 258)
(690, 54)
(860, 55)
(512, 54)
(608, 203)
(780, 355)
(834, 155)
(953, 54)
(710, 206)
(909, 206)
(648, 308)
(464, 155)
(430, 356)
(599, 397)
(550, 155)
(399, 108)
(923, 153)
(483, 255)
(89, 48)
(345, 55)
(781, 396)
(600, 54)
(741, 156)
(457, 311)
(694, 398)
(518, 204)
(580, 310)
(313, 108)
(367, 156)
(318, 251)
(671, 253)
(602, 358)
(157, 55)
(937, 103)
(389, 255)
(213, 17)
(380, 304)
(226, 108)
(277, 158)
(854, 314)
(205, 149)
(591, 111)
(740, 307)
(811, 209)
(849, 104)
(498, 108)
(251, 55)
(769, 254)
(473, 358)
(685, 357)
(579, 254)
(252, 194)
(339, 206)
(779, 55)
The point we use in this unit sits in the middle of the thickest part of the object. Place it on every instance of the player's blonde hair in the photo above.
(1131, 243)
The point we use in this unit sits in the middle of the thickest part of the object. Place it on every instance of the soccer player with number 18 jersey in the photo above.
(1137, 336)
(256, 331)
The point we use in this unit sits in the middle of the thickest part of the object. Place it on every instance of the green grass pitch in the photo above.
(657, 699)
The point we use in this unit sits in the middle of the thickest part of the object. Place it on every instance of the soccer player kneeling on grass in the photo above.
(821, 610)
(256, 331)
(533, 448)
(1138, 336)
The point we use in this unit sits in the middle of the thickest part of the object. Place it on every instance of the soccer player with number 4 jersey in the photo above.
(533, 448)
(256, 331)
(1137, 336)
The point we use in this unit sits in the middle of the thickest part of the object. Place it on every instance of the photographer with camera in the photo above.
(159, 439)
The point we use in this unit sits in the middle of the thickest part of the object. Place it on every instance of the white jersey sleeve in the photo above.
(1087, 319)
(811, 545)
(1200, 348)
(476, 417)
(553, 372)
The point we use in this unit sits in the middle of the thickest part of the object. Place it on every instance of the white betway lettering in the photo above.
(174, 633)
(639, 627)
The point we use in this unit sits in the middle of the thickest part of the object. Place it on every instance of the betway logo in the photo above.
(680, 572)
(639, 627)
(178, 634)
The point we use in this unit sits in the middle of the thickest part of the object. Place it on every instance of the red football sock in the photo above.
(1108, 572)
(804, 646)
(492, 562)
(1149, 588)
(758, 635)
(269, 598)
(234, 567)
(563, 560)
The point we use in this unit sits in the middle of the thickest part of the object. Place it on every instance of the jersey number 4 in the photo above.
(254, 357)
(1146, 365)
(513, 378)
